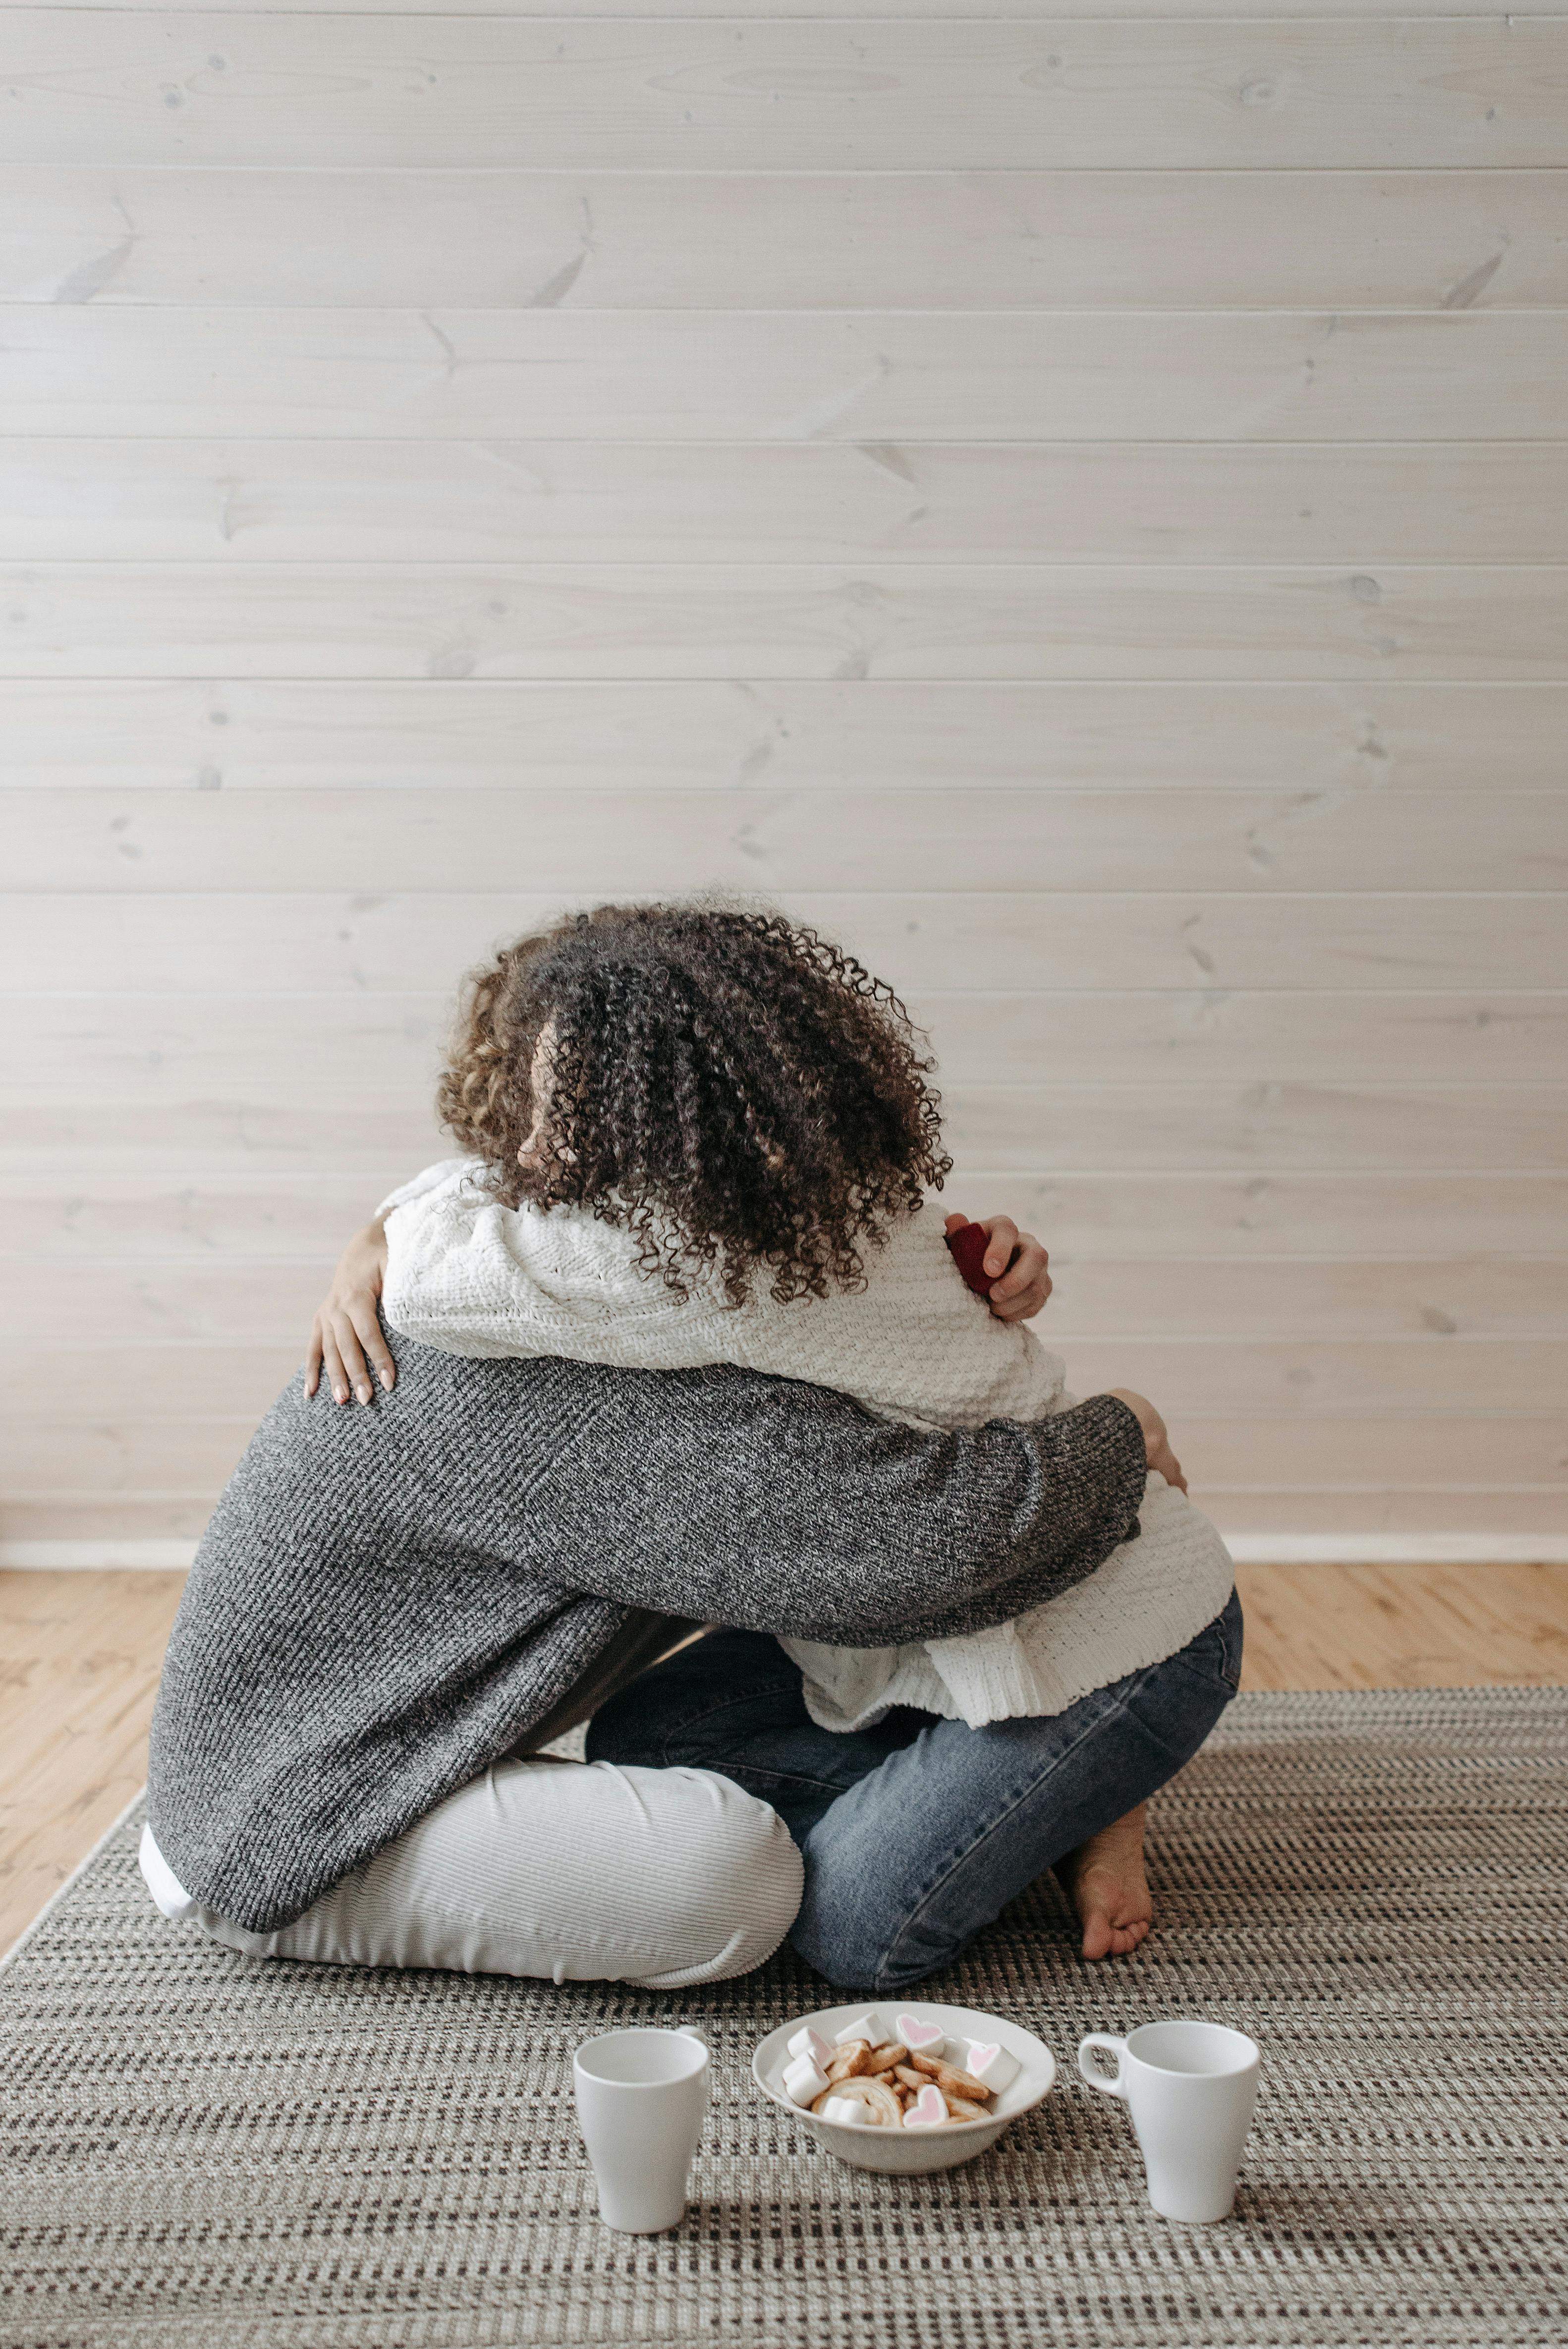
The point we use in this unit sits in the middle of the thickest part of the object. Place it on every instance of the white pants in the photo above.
(568, 1871)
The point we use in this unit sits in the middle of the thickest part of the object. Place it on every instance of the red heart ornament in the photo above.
(968, 1245)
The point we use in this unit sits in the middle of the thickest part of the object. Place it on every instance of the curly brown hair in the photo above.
(738, 1092)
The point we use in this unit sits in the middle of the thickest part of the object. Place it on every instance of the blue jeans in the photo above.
(915, 1834)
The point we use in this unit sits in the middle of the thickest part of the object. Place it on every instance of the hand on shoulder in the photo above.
(345, 1337)
(1156, 1436)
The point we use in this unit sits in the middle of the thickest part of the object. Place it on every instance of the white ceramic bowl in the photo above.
(909, 2152)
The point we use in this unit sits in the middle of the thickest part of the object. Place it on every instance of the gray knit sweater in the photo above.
(388, 1598)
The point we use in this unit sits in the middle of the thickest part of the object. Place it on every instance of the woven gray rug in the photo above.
(201, 2149)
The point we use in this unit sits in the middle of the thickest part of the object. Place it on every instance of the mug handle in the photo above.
(1092, 2076)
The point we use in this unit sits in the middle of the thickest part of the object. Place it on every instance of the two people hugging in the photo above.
(664, 1407)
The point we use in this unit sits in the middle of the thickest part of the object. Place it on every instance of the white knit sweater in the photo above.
(470, 1276)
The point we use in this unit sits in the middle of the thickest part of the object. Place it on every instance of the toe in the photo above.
(1098, 1937)
(1111, 1927)
(1113, 1909)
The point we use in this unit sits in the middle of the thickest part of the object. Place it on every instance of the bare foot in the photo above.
(1105, 1881)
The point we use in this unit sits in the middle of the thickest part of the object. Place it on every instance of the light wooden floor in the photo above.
(79, 1655)
(1320, 1627)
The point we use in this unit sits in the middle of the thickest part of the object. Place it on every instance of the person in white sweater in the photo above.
(743, 1174)
(470, 1276)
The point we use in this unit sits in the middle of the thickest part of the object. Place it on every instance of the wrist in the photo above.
(1144, 1412)
(366, 1253)
(1140, 1407)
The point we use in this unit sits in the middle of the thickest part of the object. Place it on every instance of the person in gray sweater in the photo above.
(398, 1605)
(394, 1607)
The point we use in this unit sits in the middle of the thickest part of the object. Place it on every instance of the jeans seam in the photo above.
(930, 1890)
(711, 1713)
(780, 1778)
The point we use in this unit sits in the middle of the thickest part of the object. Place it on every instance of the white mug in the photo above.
(641, 2099)
(1190, 2088)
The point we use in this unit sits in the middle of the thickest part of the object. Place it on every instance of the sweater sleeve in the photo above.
(776, 1507)
(474, 1278)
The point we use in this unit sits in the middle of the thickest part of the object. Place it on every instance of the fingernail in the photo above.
(363, 1392)
(386, 1381)
(340, 1394)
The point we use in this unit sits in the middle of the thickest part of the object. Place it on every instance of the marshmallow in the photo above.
(868, 2027)
(850, 2110)
(929, 2110)
(990, 2064)
(812, 2043)
(922, 2038)
(802, 2081)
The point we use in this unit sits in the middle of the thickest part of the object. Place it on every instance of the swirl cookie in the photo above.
(864, 2104)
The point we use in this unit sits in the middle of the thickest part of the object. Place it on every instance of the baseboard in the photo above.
(1247, 1549)
(94, 1557)
(1398, 1549)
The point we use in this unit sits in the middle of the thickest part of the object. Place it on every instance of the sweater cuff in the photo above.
(1125, 1453)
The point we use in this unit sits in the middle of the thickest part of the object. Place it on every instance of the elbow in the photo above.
(989, 1506)
(1024, 1499)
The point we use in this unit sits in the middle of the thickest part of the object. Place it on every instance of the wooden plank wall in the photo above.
(1076, 505)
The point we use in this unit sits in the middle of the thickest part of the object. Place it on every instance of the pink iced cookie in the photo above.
(810, 2042)
(922, 2038)
(929, 2110)
(990, 2063)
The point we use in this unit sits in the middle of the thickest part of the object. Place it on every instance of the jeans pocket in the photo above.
(1229, 1630)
